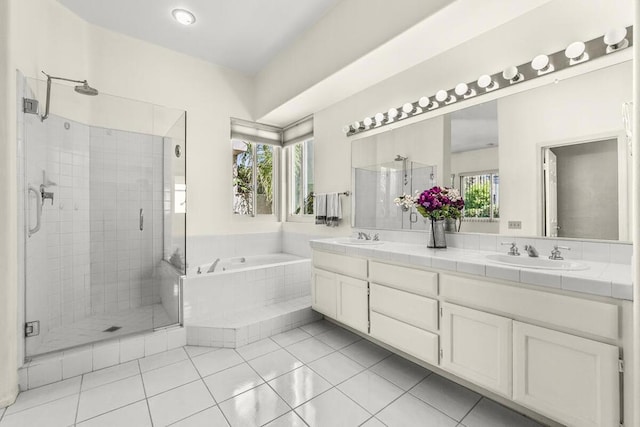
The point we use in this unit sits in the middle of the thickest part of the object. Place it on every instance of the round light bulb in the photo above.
(346, 128)
(407, 108)
(540, 62)
(183, 16)
(461, 89)
(484, 81)
(379, 117)
(575, 50)
(356, 125)
(393, 113)
(424, 102)
(616, 39)
(441, 95)
(510, 73)
(368, 121)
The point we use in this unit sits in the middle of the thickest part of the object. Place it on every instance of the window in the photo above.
(253, 178)
(300, 174)
(481, 196)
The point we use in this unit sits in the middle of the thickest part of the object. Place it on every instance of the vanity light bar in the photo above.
(576, 53)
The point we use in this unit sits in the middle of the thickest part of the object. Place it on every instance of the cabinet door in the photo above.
(353, 302)
(477, 346)
(572, 380)
(324, 296)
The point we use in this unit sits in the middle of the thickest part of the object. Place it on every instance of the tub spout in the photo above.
(213, 266)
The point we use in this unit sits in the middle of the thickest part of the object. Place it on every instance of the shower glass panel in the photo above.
(375, 188)
(103, 237)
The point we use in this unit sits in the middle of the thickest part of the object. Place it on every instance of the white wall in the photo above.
(485, 159)
(343, 35)
(512, 43)
(8, 210)
(60, 43)
(576, 109)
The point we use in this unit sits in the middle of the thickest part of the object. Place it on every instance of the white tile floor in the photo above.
(316, 375)
(91, 329)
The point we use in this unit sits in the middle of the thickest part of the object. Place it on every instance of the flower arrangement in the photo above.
(439, 203)
(405, 201)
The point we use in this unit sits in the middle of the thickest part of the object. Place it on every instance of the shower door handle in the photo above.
(141, 219)
(36, 192)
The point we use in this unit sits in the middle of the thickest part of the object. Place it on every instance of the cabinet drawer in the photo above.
(356, 267)
(409, 308)
(404, 337)
(591, 317)
(407, 279)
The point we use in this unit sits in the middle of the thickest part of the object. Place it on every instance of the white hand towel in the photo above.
(334, 209)
(320, 208)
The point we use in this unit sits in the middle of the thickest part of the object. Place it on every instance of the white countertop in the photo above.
(604, 279)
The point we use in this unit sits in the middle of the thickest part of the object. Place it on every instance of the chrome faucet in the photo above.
(213, 266)
(363, 236)
(555, 253)
(533, 252)
(513, 250)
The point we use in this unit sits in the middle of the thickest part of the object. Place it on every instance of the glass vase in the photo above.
(435, 234)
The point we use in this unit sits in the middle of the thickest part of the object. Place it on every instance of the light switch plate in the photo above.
(515, 225)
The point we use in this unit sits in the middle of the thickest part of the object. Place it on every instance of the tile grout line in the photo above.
(469, 411)
(405, 392)
(144, 389)
(429, 404)
(75, 419)
(215, 401)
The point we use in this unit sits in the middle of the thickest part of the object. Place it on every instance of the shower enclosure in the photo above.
(102, 215)
(376, 187)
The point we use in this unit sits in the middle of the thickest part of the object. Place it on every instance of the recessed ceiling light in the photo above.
(183, 16)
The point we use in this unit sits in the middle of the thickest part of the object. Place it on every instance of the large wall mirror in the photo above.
(550, 161)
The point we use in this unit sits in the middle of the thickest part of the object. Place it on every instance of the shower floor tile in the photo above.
(93, 328)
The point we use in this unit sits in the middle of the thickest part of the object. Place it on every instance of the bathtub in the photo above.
(246, 299)
(240, 263)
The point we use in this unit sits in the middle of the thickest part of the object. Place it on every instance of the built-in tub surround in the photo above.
(241, 305)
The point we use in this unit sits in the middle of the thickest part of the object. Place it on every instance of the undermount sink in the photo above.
(354, 241)
(540, 263)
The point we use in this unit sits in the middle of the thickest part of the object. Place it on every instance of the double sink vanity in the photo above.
(547, 337)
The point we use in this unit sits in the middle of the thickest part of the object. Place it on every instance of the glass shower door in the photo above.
(94, 181)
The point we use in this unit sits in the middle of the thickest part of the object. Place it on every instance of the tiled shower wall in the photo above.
(90, 255)
(126, 177)
(58, 261)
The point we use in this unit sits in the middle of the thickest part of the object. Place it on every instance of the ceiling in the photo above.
(240, 34)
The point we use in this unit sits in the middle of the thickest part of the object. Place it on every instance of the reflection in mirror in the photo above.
(378, 185)
(474, 166)
(581, 197)
(493, 153)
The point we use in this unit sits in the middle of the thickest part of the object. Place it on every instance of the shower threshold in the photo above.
(100, 327)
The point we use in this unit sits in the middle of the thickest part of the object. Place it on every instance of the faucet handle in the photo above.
(555, 252)
(513, 250)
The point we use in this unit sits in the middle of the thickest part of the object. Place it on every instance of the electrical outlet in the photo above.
(515, 225)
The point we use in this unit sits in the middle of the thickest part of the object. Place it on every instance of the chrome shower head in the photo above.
(85, 89)
(400, 158)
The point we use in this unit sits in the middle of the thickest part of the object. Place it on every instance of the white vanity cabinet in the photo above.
(403, 312)
(324, 288)
(339, 289)
(552, 352)
(570, 379)
(353, 302)
(477, 346)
